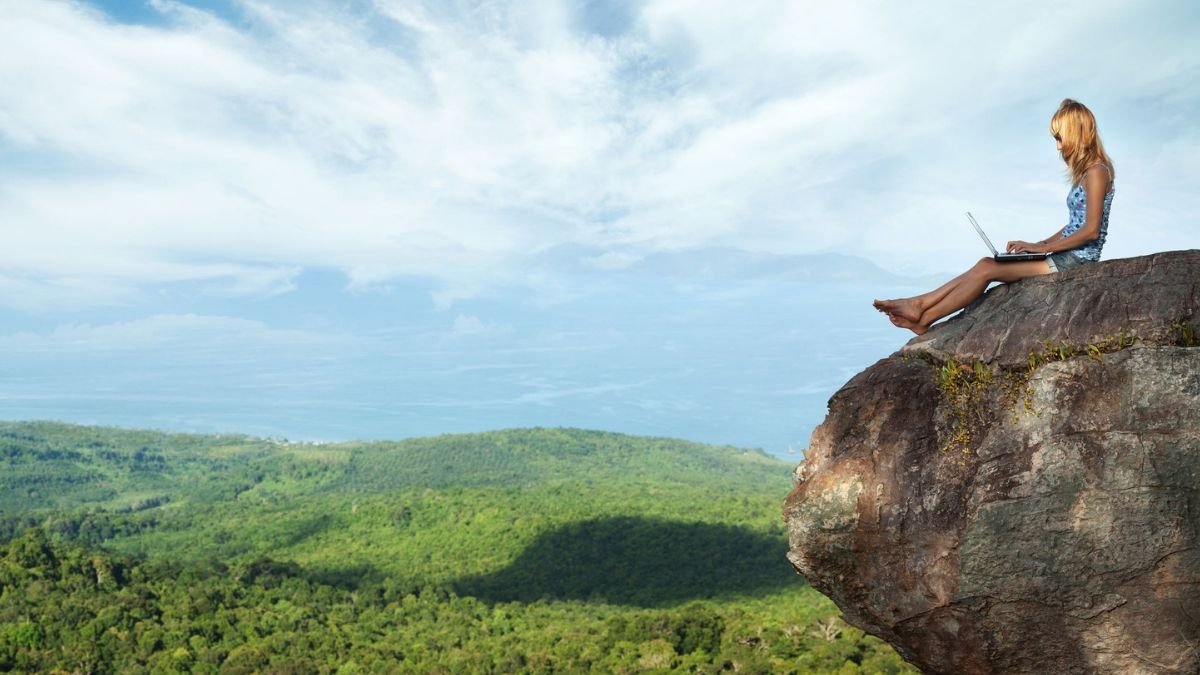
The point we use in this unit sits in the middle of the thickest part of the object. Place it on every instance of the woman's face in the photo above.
(1058, 142)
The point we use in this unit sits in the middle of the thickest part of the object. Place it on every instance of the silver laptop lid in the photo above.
(981, 234)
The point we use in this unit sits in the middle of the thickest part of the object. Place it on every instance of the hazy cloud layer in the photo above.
(454, 140)
(746, 362)
(162, 332)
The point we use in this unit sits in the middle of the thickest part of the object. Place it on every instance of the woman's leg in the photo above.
(911, 308)
(960, 292)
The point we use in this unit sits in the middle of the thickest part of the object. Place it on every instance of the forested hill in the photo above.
(138, 551)
(349, 510)
(53, 465)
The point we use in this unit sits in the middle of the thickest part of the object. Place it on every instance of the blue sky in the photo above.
(257, 181)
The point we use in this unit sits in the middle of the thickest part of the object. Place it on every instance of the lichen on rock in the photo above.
(1016, 490)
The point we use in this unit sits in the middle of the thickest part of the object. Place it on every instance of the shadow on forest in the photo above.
(639, 561)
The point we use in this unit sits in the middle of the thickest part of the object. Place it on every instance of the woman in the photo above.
(1077, 243)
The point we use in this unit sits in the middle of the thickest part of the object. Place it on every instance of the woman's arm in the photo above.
(1096, 184)
(1020, 246)
(1056, 235)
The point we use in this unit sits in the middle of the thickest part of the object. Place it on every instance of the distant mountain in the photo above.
(62, 466)
(361, 510)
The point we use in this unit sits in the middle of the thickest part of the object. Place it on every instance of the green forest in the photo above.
(517, 551)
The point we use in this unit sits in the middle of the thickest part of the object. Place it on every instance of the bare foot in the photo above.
(906, 308)
(903, 322)
(885, 306)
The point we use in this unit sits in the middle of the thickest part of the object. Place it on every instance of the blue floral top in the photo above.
(1077, 209)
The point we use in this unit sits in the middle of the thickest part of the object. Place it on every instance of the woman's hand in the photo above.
(1025, 247)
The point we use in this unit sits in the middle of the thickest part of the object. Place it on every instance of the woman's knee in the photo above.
(985, 267)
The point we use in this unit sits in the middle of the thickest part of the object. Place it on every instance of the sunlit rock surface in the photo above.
(1016, 490)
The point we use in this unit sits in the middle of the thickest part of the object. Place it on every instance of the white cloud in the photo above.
(466, 325)
(452, 140)
(611, 260)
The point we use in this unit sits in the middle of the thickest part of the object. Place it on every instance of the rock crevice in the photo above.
(1015, 490)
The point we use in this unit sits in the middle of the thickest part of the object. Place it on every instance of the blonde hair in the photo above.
(1075, 126)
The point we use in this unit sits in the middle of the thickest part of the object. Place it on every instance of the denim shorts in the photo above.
(1063, 261)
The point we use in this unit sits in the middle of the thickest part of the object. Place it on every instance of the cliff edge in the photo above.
(1016, 490)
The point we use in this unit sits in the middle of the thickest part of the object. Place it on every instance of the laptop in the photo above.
(1004, 257)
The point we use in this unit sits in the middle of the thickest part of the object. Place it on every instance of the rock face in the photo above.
(1016, 491)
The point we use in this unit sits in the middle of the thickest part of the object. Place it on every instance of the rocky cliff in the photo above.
(1016, 490)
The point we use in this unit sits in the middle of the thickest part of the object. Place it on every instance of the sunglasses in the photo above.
(1058, 138)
